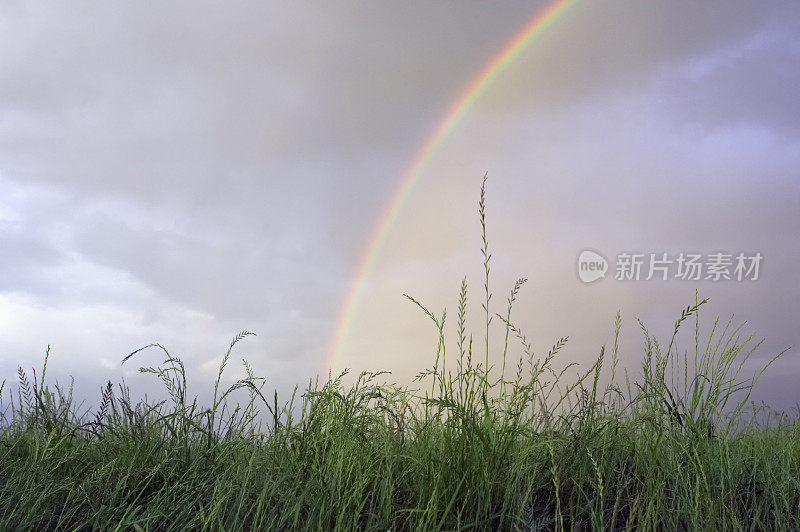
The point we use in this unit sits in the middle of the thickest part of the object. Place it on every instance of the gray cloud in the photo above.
(172, 170)
(750, 84)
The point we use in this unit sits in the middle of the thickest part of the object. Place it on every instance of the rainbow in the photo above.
(476, 88)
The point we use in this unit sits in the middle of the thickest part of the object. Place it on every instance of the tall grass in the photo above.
(474, 446)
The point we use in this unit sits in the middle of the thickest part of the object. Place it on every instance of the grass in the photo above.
(513, 446)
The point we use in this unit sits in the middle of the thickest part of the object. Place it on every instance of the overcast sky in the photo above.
(178, 172)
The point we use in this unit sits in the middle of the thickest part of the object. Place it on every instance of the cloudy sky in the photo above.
(178, 173)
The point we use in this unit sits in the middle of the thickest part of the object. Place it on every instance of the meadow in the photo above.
(480, 440)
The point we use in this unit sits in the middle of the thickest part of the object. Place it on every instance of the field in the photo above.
(481, 441)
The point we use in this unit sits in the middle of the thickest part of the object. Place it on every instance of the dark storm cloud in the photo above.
(130, 95)
(132, 100)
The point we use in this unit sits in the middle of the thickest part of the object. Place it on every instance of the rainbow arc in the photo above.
(474, 90)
